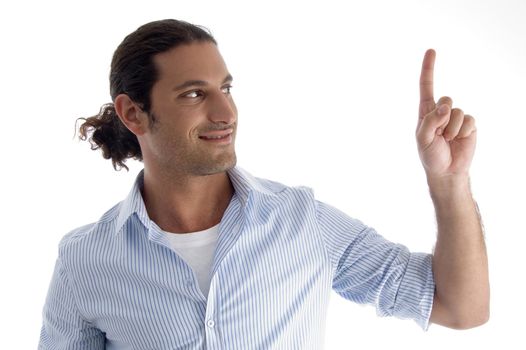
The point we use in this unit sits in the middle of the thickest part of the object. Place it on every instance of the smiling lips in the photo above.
(222, 136)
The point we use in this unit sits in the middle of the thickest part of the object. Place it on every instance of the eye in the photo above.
(192, 94)
(226, 89)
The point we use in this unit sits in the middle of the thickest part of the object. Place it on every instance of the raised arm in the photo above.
(446, 139)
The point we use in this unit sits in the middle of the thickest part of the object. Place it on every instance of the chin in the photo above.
(228, 165)
(218, 166)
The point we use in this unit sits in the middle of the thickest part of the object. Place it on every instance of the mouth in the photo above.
(219, 136)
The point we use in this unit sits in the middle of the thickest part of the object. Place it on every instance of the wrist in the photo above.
(449, 187)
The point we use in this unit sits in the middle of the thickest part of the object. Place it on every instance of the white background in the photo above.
(327, 94)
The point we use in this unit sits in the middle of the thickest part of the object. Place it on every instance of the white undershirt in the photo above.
(197, 250)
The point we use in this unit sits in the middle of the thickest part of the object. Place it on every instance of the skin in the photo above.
(446, 139)
(186, 187)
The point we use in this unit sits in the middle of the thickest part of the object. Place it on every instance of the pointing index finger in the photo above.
(426, 78)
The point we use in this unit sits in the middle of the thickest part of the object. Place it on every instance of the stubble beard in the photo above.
(224, 163)
(201, 161)
(205, 163)
(198, 161)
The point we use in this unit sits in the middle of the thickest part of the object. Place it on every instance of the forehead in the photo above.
(191, 61)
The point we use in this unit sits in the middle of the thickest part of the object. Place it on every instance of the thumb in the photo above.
(434, 123)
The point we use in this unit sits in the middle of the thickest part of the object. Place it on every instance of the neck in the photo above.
(182, 203)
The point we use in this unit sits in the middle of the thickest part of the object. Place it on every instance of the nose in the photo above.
(222, 109)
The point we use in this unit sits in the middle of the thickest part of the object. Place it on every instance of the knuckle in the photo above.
(468, 126)
(457, 112)
(469, 120)
(448, 133)
(446, 99)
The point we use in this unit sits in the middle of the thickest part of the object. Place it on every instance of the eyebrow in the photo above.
(189, 83)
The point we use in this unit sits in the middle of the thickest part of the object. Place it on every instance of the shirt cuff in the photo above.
(416, 292)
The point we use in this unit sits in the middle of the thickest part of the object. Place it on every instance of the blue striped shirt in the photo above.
(280, 252)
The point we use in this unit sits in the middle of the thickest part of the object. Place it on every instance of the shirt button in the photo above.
(210, 323)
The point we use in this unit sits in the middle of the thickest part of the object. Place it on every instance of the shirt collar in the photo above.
(133, 204)
(244, 185)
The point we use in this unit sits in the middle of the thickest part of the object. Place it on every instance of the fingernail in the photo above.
(443, 109)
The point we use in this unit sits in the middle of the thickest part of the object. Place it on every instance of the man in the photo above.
(203, 255)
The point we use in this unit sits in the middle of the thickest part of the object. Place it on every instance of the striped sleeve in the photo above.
(63, 327)
(368, 269)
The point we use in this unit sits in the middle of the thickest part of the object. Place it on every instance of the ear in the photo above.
(131, 114)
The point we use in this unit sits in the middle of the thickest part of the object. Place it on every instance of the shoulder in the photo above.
(85, 235)
(275, 187)
(299, 199)
(245, 183)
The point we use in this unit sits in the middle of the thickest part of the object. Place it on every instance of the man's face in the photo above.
(196, 118)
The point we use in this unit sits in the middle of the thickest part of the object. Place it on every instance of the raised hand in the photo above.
(446, 137)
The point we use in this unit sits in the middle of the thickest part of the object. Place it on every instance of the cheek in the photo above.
(183, 132)
(179, 123)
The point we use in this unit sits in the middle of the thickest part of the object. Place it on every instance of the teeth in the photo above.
(215, 137)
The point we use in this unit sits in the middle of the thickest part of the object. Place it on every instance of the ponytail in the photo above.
(106, 131)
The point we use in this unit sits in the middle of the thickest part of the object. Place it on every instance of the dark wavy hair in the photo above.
(134, 73)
